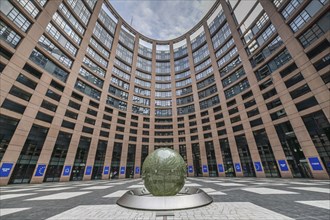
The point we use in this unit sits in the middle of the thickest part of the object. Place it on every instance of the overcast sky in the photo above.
(162, 19)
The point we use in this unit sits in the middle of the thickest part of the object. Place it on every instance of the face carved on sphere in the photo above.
(164, 172)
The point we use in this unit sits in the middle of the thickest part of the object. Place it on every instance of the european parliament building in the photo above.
(85, 96)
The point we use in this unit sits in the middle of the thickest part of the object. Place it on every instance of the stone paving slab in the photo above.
(231, 201)
(217, 210)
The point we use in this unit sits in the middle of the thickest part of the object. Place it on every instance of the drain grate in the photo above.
(164, 215)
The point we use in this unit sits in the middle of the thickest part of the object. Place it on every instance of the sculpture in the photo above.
(164, 172)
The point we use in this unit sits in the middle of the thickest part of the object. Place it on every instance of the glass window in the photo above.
(236, 89)
(316, 31)
(26, 81)
(66, 28)
(163, 112)
(122, 65)
(121, 74)
(203, 65)
(80, 10)
(80, 160)
(163, 78)
(207, 92)
(145, 51)
(67, 14)
(199, 40)
(13, 106)
(180, 51)
(117, 92)
(124, 54)
(88, 90)
(206, 82)
(9, 35)
(204, 74)
(14, 15)
(90, 77)
(141, 91)
(233, 77)
(140, 110)
(163, 94)
(278, 61)
(48, 65)
(307, 103)
(183, 91)
(224, 48)
(29, 7)
(266, 153)
(7, 129)
(230, 66)
(126, 39)
(267, 51)
(322, 63)
(215, 24)
(45, 43)
(302, 90)
(163, 103)
(185, 100)
(94, 67)
(318, 128)
(201, 53)
(99, 47)
(141, 101)
(15, 91)
(63, 41)
(106, 19)
(29, 155)
(41, 2)
(91, 3)
(143, 64)
(245, 156)
(162, 55)
(291, 7)
(163, 68)
(104, 37)
(181, 83)
(227, 57)
(116, 103)
(163, 85)
(182, 75)
(142, 83)
(143, 75)
(221, 36)
(209, 102)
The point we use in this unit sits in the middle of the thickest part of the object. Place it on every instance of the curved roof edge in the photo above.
(174, 40)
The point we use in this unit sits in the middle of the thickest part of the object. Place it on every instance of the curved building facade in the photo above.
(85, 96)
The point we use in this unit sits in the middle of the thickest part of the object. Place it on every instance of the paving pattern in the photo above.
(234, 198)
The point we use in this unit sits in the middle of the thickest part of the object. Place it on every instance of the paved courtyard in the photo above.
(234, 198)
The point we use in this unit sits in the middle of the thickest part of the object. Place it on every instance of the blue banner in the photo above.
(66, 170)
(190, 169)
(315, 163)
(5, 169)
(238, 167)
(283, 165)
(106, 170)
(122, 170)
(258, 166)
(88, 170)
(205, 170)
(40, 170)
(137, 170)
(220, 168)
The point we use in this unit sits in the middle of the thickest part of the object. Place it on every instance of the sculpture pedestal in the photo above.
(187, 198)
